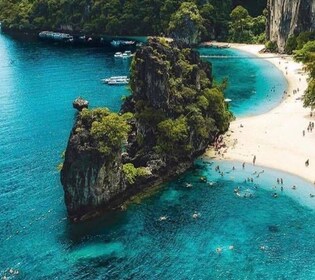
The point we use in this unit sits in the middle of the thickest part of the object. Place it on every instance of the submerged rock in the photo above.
(80, 104)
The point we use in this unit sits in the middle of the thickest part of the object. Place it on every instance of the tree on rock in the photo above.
(186, 24)
(240, 25)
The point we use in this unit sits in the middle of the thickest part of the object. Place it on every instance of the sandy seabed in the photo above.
(276, 137)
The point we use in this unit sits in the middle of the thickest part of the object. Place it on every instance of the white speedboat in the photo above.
(127, 54)
(118, 82)
(118, 54)
(106, 80)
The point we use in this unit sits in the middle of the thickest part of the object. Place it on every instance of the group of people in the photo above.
(219, 144)
(310, 128)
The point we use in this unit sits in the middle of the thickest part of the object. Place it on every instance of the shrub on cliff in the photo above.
(132, 173)
(109, 130)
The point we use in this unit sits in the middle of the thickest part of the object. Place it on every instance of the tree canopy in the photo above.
(307, 55)
(186, 24)
(206, 18)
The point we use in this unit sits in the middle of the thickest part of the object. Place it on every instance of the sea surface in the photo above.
(184, 230)
(255, 86)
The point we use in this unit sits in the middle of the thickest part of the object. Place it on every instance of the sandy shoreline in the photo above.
(275, 137)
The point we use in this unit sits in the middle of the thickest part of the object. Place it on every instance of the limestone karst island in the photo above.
(162, 140)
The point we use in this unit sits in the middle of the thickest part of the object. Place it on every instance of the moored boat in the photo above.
(125, 54)
(116, 80)
(55, 36)
(118, 43)
(118, 54)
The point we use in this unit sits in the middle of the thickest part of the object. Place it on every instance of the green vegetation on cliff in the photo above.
(173, 114)
(176, 100)
(246, 29)
(186, 23)
(307, 55)
(132, 173)
(108, 130)
(210, 18)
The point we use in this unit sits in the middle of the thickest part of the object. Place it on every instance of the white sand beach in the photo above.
(276, 137)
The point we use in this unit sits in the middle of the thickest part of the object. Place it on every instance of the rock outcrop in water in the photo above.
(80, 104)
(288, 18)
(173, 114)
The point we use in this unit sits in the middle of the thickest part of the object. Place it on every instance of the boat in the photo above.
(106, 80)
(118, 54)
(55, 36)
(118, 43)
(116, 80)
(126, 54)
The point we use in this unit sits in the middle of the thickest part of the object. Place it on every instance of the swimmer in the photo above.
(236, 189)
(188, 185)
(163, 218)
(231, 247)
(196, 215)
(219, 250)
(294, 187)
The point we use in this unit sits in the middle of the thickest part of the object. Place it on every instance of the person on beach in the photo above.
(307, 163)
(303, 132)
(254, 159)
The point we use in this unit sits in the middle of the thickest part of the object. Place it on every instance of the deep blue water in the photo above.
(38, 83)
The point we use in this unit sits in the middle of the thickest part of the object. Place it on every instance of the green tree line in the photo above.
(128, 17)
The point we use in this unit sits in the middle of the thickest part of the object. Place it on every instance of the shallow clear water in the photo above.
(37, 86)
(255, 86)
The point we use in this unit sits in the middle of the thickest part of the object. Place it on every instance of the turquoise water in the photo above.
(250, 80)
(38, 83)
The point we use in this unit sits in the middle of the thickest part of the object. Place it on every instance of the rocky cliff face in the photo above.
(90, 178)
(176, 113)
(289, 17)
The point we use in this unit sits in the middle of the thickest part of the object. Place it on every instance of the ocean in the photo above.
(190, 228)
